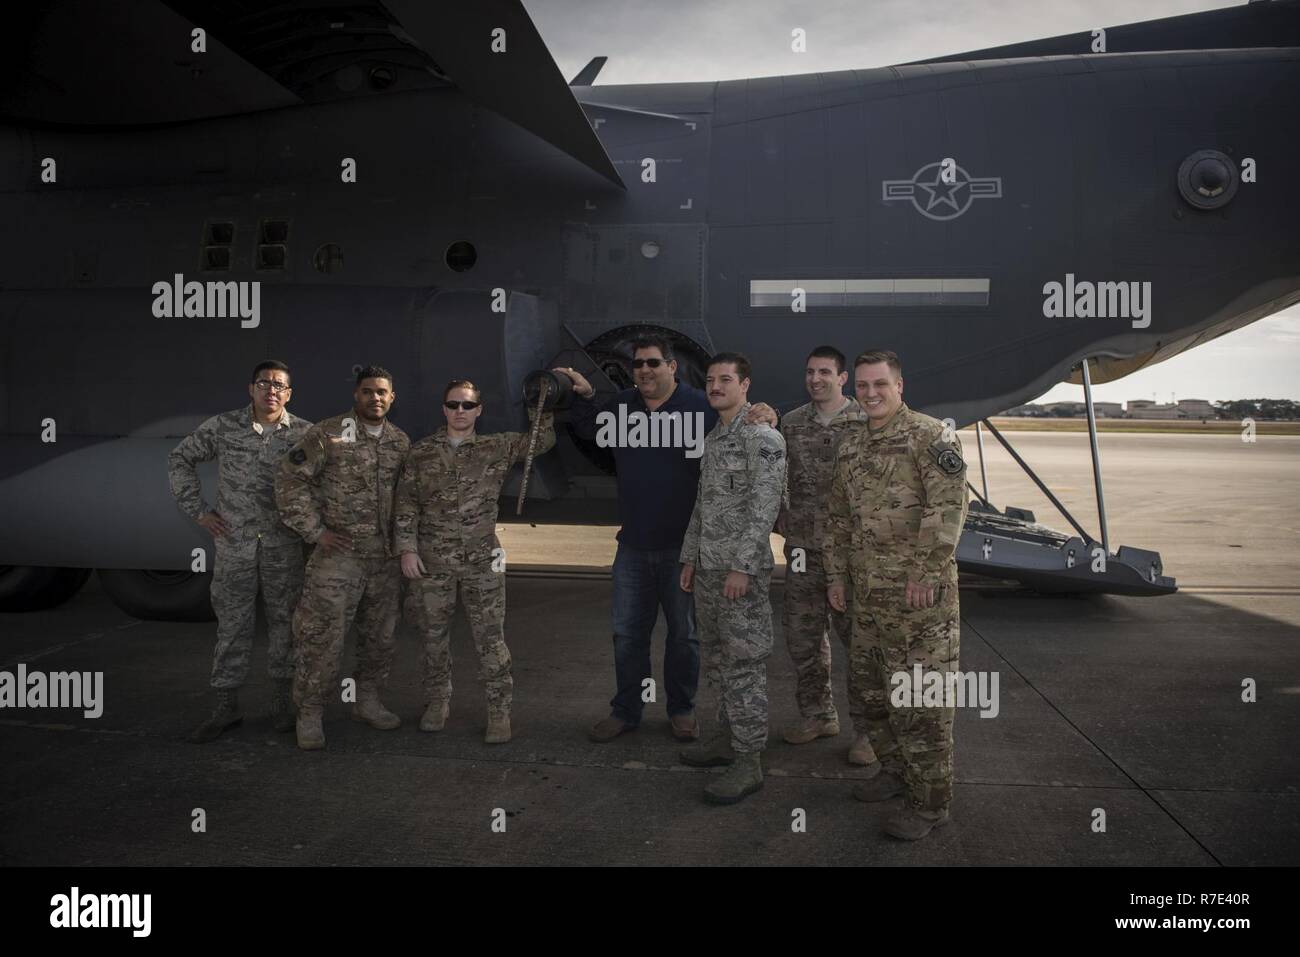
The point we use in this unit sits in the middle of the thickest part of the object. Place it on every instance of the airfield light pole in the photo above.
(984, 479)
(1096, 457)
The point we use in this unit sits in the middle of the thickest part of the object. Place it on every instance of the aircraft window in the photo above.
(650, 249)
(219, 234)
(381, 78)
(271, 257)
(461, 256)
(274, 231)
(328, 258)
(777, 293)
(272, 235)
(217, 237)
(216, 258)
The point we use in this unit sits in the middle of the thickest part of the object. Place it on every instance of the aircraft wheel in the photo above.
(159, 595)
(33, 588)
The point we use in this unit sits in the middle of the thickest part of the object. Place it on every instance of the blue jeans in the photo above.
(644, 582)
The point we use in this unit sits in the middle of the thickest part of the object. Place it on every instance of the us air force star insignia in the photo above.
(771, 456)
(950, 462)
(935, 199)
(297, 456)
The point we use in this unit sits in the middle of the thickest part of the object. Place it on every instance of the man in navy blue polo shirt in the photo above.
(656, 432)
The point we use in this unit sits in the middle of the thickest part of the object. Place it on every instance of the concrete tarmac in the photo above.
(1132, 707)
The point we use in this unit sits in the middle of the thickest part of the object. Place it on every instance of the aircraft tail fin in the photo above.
(587, 76)
(1272, 23)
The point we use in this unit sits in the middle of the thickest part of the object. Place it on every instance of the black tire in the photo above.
(159, 595)
(34, 588)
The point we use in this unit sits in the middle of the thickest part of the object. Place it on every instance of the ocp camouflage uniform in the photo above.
(329, 482)
(742, 477)
(898, 501)
(811, 447)
(259, 551)
(446, 512)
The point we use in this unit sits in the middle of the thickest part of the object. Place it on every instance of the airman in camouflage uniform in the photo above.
(445, 532)
(336, 490)
(254, 549)
(813, 433)
(727, 563)
(898, 501)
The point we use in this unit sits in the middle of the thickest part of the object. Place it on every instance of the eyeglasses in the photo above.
(652, 363)
(454, 405)
(270, 385)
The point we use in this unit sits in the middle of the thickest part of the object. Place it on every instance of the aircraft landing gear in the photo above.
(159, 595)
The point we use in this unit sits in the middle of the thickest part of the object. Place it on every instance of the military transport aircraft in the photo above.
(415, 184)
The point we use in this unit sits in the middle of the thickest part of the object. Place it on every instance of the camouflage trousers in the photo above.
(430, 603)
(341, 586)
(735, 641)
(240, 570)
(806, 618)
(890, 638)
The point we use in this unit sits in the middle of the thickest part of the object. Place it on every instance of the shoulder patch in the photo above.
(771, 455)
(297, 456)
(946, 457)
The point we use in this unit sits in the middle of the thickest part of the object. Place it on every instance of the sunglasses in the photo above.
(652, 363)
(455, 405)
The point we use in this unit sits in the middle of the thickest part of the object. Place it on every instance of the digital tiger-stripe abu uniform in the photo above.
(898, 501)
(742, 477)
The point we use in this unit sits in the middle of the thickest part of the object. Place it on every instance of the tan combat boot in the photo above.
(498, 727)
(912, 824)
(435, 716)
(861, 752)
(224, 716)
(311, 736)
(372, 711)
(282, 712)
(744, 777)
(810, 729)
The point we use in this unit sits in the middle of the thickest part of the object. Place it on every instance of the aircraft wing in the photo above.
(132, 62)
(1275, 23)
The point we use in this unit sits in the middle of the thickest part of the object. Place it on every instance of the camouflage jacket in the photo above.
(246, 464)
(447, 496)
(742, 478)
(898, 501)
(340, 478)
(811, 447)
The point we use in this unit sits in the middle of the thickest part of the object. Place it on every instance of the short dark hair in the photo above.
(654, 342)
(374, 372)
(462, 384)
(275, 364)
(880, 355)
(738, 359)
(829, 352)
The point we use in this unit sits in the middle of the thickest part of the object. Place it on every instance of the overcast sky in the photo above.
(667, 41)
